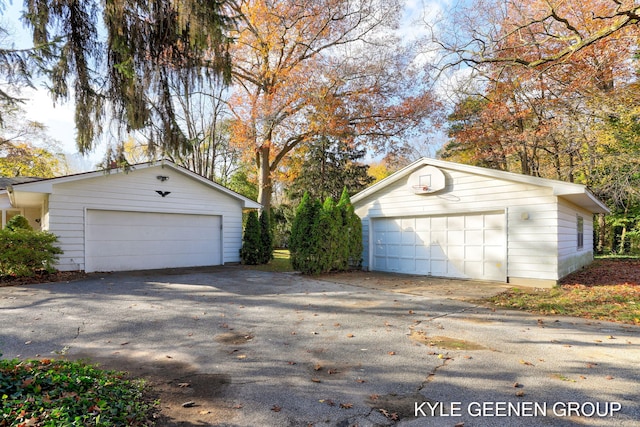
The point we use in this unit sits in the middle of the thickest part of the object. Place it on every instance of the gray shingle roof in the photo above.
(5, 181)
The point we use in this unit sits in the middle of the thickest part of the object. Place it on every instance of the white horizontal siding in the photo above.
(532, 215)
(136, 191)
(570, 257)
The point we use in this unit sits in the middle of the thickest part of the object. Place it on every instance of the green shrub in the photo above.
(266, 238)
(251, 253)
(61, 393)
(330, 239)
(325, 238)
(24, 253)
(304, 236)
(18, 222)
(352, 232)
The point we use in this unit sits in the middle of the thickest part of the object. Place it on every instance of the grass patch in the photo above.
(609, 289)
(279, 264)
(62, 393)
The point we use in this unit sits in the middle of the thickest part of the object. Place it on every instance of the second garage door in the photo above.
(121, 241)
(469, 246)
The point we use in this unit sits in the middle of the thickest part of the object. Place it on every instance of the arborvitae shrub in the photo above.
(266, 238)
(304, 235)
(325, 238)
(330, 228)
(251, 253)
(352, 232)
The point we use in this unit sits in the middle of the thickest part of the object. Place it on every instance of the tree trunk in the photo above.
(265, 185)
(602, 233)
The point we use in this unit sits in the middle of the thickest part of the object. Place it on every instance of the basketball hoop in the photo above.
(420, 189)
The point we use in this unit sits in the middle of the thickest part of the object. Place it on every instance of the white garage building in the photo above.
(451, 220)
(154, 215)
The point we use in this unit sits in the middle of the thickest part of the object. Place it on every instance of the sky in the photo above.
(59, 118)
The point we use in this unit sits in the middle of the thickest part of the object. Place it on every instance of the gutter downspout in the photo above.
(12, 197)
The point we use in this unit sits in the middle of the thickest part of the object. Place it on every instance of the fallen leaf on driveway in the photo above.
(350, 335)
(316, 380)
(392, 416)
(346, 405)
(204, 412)
(276, 408)
(524, 362)
(318, 367)
(183, 385)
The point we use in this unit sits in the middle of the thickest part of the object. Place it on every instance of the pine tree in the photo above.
(250, 253)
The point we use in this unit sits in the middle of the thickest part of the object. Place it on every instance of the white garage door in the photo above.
(121, 241)
(462, 246)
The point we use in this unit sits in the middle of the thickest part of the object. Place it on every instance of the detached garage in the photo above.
(451, 220)
(153, 215)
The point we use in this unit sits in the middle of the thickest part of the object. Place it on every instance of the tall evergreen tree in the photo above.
(330, 236)
(304, 234)
(352, 232)
(148, 44)
(251, 253)
(266, 238)
(328, 167)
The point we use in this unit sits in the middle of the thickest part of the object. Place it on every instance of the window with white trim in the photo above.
(580, 227)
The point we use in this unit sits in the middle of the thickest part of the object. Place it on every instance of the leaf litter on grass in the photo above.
(606, 290)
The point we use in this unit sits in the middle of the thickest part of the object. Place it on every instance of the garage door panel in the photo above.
(474, 268)
(494, 237)
(473, 253)
(455, 252)
(119, 240)
(455, 223)
(455, 237)
(471, 236)
(462, 246)
(474, 222)
(423, 252)
(393, 237)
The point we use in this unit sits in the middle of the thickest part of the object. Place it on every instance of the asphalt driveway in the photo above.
(253, 348)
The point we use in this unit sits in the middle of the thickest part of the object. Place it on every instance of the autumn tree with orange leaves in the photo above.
(537, 105)
(327, 68)
(557, 93)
